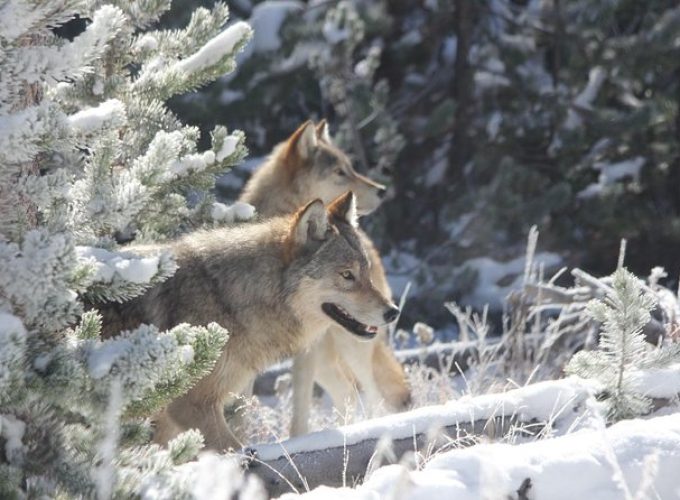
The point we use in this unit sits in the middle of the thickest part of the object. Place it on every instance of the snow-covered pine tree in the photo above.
(623, 351)
(89, 156)
(348, 82)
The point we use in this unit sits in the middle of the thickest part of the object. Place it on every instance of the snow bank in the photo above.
(662, 383)
(126, 266)
(545, 401)
(491, 272)
(631, 458)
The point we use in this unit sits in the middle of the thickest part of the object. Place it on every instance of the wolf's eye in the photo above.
(340, 172)
(347, 275)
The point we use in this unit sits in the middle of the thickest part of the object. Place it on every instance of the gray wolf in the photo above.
(275, 285)
(305, 166)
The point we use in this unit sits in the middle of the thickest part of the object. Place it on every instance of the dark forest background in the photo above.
(484, 117)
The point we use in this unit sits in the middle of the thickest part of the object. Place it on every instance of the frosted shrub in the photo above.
(623, 350)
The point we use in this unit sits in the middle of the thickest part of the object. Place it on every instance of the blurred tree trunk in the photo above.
(677, 108)
(676, 195)
(462, 88)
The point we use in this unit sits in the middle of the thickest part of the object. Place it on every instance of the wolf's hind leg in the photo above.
(165, 429)
(207, 417)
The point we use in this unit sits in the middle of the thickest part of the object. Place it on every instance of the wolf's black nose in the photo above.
(382, 192)
(391, 314)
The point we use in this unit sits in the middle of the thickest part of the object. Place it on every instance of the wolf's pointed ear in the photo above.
(310, 224)
(344, 208)
(322, 132)
(302, 143)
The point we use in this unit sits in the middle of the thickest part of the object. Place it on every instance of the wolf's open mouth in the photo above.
(348, 322)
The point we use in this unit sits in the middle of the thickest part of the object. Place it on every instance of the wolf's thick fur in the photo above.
(270, 285)
(306, 166)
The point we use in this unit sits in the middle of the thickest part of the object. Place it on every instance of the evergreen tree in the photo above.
(623, 350)
(90, 156)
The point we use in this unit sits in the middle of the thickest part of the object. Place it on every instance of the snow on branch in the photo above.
(180, 43)
(583, 102)
(19, 17)
(218, 48)
(153, 367)
(238, 212)
(109, 114)
(119, 276)
(27, 132)
(43, 303)
(12, 354)
(164, 77)
(33, 63)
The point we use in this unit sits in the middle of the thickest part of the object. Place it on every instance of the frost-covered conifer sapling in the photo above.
(623, 353)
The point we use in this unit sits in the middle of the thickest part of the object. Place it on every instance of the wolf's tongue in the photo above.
(372, 329)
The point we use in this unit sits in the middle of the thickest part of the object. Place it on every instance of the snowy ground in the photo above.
(570, 453)
(631, 459)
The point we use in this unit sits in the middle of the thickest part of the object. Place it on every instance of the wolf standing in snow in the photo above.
(306, 166)
(275, 285)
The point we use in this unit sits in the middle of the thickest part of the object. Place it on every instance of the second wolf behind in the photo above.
(306, 166)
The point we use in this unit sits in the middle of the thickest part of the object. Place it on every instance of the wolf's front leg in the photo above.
(358, 357)
(303, 389)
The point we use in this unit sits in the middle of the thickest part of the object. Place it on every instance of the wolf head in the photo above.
(331, 270)
(322, 170)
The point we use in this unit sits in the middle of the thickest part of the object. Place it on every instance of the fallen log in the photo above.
(342, 456)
